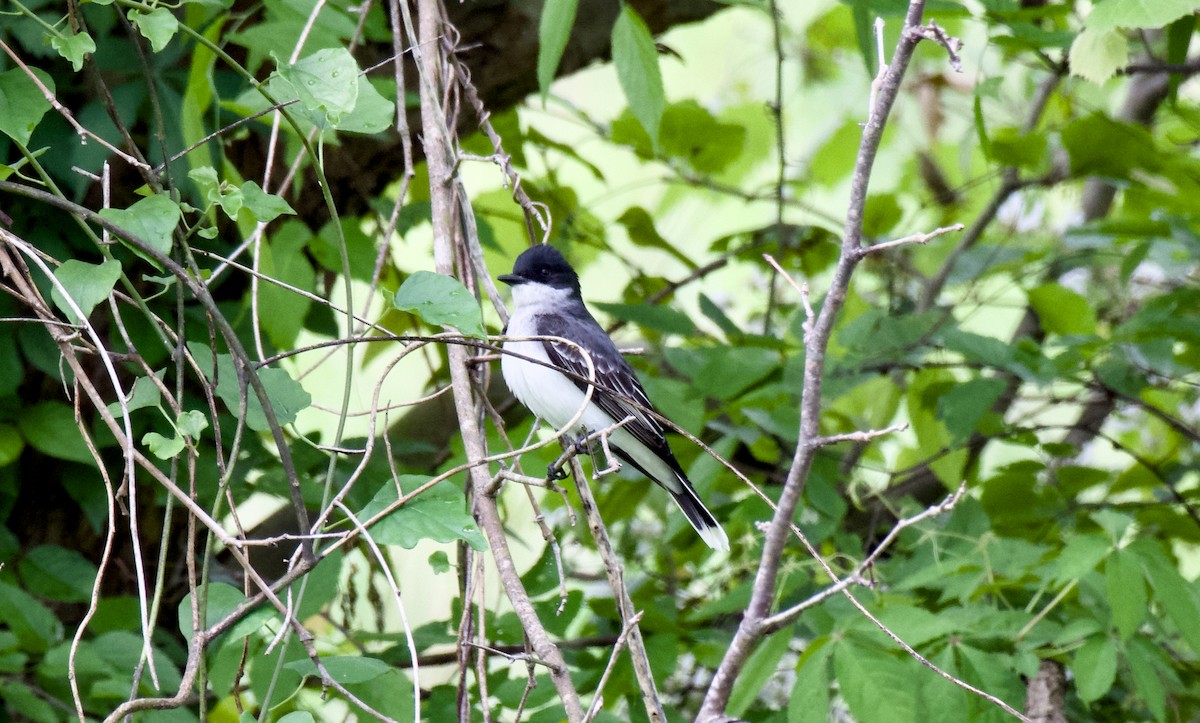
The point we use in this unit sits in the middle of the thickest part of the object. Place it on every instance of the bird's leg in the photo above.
(579, 445)
(556, 470)
(613, 463)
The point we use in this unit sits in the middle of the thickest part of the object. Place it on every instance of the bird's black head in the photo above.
(543, 265)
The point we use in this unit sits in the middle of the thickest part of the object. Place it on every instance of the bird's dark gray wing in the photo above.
(615, 380)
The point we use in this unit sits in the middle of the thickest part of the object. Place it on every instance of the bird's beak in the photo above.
(511, 279)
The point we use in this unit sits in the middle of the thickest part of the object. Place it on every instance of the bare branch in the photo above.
(860, 436)
(917, 238)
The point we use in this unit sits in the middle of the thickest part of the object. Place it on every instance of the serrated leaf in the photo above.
(151, 219)
(22, 103)
(1179, 598)
(758, 671)
(158, 26)
(74, 48)
(876, 686)
(440, 300)
(809, 702)
(636, 61)
(438, 514)
(1095, 668)
(87, 284)
(1097, 55)
(554, 30)
(1150, 14)
(1126, 592)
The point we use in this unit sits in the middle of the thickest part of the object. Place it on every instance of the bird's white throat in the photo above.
(534, 298)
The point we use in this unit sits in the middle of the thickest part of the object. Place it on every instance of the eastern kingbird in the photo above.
(548, 303)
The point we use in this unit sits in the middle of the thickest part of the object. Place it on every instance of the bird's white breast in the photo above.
(550, 395)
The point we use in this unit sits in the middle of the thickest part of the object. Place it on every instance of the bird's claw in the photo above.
(556, 473)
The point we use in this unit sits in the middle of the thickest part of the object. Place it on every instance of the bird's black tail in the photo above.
(696, 513)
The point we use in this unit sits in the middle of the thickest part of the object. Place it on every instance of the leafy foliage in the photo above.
(209, 384)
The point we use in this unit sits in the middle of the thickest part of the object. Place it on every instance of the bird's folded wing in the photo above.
(615, 384)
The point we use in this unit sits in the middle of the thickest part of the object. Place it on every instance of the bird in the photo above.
(548, 301)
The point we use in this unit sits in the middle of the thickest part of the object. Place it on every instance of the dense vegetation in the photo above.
(930, 332)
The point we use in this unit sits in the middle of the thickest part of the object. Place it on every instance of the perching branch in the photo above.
(439, 154)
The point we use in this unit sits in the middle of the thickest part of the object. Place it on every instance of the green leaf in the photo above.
(145, 393)
(636, 61)
(441, 300)
(1097, 55)
(881, 214)
(25, 704)
(1179, 599)
(439, 514)
(1126, 592)
(265, 207)
(1013, 148)
(554, 30)
(639, 224)
(22, 103)
(87, 284)
(961, 408)
(11, 444)
(834, 160)
(690, 133)
(221, 599)
(758, 671)
(50, 428)
(372, 112)
(345, 669)
(876, 686)
(1150, 14)
(730, 370)
(191, 423)
(1095, 668)
(282, 310)
(34, 625)
(74, 48)
(58, 574)
(809, 702)
(325, 82)
(287, 396)
(1100, 146)
(1143, 659)
(163, 447)
(1079, 556)
(1062, 311)
(158, 26)
(651, 316)
(439, 562)
(151, 219)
